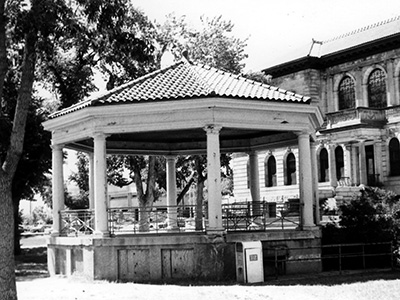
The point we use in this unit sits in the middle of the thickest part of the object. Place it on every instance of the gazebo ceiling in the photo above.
(186, 141)
(165, 112)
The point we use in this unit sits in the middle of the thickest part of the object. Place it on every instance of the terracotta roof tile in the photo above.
(184, 80)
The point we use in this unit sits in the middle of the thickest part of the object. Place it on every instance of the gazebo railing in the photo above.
(157, 219)
(243, 216)
(77, 222)
(260, 216)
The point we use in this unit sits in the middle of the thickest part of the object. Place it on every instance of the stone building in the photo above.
(354, 80)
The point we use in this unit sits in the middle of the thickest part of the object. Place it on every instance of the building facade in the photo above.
(354, 80)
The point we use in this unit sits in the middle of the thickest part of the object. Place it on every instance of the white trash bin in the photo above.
(249, 262)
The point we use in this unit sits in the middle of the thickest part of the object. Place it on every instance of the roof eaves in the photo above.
(102, 98)
(302, 63)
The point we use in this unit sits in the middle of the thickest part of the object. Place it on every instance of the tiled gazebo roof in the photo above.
(185, 80)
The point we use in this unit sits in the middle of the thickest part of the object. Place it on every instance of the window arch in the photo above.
(377, 89)
(323, 166)
(347, 94)
(290, 163)
(270, 171)
(394, 157)
(339, 158)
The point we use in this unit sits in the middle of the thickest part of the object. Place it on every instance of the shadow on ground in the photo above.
(31, 263)
(335, 278)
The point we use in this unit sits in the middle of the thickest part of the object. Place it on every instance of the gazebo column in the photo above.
(254, 180)
(214, 180)
(91, 180)
(171, 192)
(306, 180)
(58, 187)
(100, 185)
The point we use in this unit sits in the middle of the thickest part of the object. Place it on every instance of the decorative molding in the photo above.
(212, 129)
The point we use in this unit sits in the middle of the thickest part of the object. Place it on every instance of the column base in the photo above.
(55, 234)
(215, 231)
(310, 227)
(173, 229)
(100, 234)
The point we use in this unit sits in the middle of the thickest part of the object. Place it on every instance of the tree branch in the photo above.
(185, 190)
(21, 111)
(138, 182)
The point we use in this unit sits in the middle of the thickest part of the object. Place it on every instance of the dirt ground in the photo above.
(33, 283)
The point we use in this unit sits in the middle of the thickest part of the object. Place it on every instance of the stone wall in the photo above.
(176, 258)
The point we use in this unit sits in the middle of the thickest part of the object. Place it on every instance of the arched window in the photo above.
(339, 162)
(377, 89)
(347, 95)
(323, 166)
(394, 157)
(270, 171)
(290, 176)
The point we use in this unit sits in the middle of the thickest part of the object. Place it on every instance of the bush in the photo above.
(372, 217)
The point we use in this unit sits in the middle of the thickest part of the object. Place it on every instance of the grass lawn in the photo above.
(33, 283)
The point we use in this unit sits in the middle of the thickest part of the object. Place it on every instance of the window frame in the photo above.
(376, 88)
(290, 169)
(394, 157)
(269, 177)
(321, 164)
(346, 93)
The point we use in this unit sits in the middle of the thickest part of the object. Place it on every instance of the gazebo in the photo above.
(182, 109)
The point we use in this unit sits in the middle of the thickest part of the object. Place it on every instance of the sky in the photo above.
(276, 29)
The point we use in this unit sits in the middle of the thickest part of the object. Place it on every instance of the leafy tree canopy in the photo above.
(212, 44)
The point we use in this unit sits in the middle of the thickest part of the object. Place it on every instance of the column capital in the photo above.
(99, 135)
(170, 157)
(314, 145)
(212, 129)
(303, 134)
(56, 147)
(332, 146)
(252, 152)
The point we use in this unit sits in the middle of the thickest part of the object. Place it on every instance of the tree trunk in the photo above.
(144, 215)
(9, 165)
(7, 270)
(199, 205)
(17, 233)
(199, 195)
(146, 199)
(3, 49)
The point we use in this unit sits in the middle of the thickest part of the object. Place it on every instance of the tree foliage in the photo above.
(372, 217)
(212, 44)
(110, 38)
